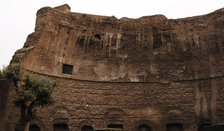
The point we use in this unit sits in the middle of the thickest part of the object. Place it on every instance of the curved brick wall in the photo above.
(128, 72)
(148, 49)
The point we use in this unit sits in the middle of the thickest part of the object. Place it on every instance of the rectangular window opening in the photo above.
(67, 69)
(157, 41)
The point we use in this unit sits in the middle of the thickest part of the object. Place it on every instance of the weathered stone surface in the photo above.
(148, 49)
(152, 70)
(8, 113)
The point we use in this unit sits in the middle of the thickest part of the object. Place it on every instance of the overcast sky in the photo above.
(17, 17)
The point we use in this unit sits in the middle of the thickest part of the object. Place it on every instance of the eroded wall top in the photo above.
(148, 49)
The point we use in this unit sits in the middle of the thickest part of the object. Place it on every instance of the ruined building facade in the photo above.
(151, 73)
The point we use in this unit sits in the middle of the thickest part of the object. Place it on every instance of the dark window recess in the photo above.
(167, 38)
(60, 127)
(92, 43)
(144, 127)
(211, 128)
(205, 127)
(97, 36)
(67, 69)
(34, 127)
(157, 40)
(87, 128)
(116, 126)
(80, 41)
(175, 127)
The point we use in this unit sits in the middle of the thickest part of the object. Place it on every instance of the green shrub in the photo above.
(30, 94)
(11, 72)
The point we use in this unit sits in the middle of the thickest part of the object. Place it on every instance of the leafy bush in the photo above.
(30, 94)
(11, 72)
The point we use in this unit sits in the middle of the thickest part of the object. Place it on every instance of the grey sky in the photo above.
(18, 16)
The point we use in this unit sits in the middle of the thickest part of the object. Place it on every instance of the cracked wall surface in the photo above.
(148, 49)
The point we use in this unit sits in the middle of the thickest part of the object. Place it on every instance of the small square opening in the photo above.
(67, 69)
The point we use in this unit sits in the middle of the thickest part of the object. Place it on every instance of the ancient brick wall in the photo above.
(3, 102)
(8, 112)
(4, 90)
(149, 73)
(150, 49)
(100, 104)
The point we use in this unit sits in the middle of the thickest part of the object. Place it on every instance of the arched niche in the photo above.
(86, 125)
(60, 127)
(87, 128)
(34, 127)
(174, 127)
(144, 127)
(60, 112)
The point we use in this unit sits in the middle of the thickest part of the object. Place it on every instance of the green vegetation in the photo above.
(31, 93)
(11, 72)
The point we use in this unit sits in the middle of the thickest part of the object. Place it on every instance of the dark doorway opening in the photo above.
(60, 127)
(34, 127)
(87, 128)
(175, 127)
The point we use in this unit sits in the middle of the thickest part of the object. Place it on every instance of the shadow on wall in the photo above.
(211, 128)
(4, 104)
(4, 93)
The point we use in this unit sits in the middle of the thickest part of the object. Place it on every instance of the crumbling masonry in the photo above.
(151, 73)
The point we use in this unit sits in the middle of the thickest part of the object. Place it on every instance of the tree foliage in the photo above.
(30, 94)
(11, 72)
(33, 93)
